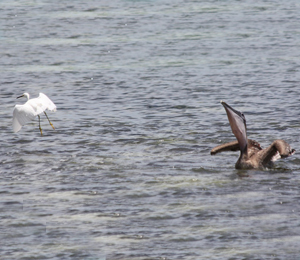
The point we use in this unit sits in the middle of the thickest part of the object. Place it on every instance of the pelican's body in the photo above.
(252, 156)
(32, 108)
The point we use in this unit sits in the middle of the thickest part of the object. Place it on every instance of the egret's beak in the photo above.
(237, 122)
(21, 96)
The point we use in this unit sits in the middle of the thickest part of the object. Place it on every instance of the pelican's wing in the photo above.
(21, 115)
(46, 102)
(278, 149)
(234, 146)
(231, 146)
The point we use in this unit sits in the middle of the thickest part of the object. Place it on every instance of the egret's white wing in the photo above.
(27, 112)
(21, 115)
(46, 102)
(40, 104)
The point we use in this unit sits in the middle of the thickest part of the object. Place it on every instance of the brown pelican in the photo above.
(252, 156)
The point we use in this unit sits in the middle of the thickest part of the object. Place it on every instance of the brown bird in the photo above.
(252, 156)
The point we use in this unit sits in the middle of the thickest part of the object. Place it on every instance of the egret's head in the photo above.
(24, 95)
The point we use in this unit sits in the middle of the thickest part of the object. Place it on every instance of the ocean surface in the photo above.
(127, 173)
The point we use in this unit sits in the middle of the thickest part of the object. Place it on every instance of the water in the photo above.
(127, 174)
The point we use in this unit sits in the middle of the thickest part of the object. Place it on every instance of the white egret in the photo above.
(32, 108)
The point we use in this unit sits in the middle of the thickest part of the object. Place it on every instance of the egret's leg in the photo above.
(40, 126)
(49, 120)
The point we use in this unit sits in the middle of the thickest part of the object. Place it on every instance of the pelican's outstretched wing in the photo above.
(231, 146)
(234, 146)
(278, 149)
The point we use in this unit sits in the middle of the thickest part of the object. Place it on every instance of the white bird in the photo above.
(32, 108)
